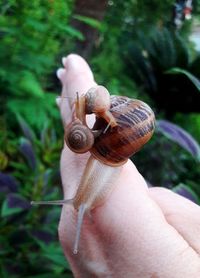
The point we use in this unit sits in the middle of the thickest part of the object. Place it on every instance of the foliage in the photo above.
(33, 34)
(109, 71)
(160, 62)
(164, 163)
(180, 136)
(126, 15)
(28, 240)
(192, 124)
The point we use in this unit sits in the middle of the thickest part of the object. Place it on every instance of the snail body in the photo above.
(122, 127)
(97, 101)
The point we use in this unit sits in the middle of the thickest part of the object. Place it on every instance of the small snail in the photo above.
(79, 137)
(122, 127)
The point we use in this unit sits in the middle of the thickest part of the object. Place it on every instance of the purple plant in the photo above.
(16, 201)
(28, 132)
(27, 150)
(43, 236)
(180, 136)
(186, 192)
(8, 183)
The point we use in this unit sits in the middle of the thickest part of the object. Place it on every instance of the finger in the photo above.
(76, 76)
(128, 237)
(181, 213)
(72, 166)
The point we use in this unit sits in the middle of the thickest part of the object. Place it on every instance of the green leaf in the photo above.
(6, 211)
(35, 111)
(54, 253)
(190, 76)
(182, 51)
(30, 85)
(28, 132)
(58, 259)
(71, 31)
(36, 25)
(90, 21)
(194, 67)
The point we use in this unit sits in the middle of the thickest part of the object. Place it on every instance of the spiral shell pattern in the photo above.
(78, 137)
(135, 126)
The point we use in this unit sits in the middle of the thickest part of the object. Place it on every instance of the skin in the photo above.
(138, 231)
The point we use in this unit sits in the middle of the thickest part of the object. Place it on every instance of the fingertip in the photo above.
(60, 74)
(76, 64)
(76, 76)
(71, 58)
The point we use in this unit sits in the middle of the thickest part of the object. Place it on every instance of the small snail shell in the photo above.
(131, 125)
(78, 137)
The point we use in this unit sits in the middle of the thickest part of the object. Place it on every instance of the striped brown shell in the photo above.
(135, 126)
(78, 137)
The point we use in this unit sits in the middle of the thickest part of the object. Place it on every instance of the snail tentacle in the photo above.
(81, 212)
(55, 202)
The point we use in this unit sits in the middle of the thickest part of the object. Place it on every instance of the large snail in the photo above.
(122, 127)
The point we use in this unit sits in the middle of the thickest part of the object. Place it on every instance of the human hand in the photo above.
(138, 232)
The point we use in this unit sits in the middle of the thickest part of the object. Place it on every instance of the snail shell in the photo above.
(79, 137)
(135, 126)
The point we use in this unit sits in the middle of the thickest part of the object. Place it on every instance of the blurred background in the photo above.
(143, 49)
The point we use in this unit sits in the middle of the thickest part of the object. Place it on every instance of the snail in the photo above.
(122, 127)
